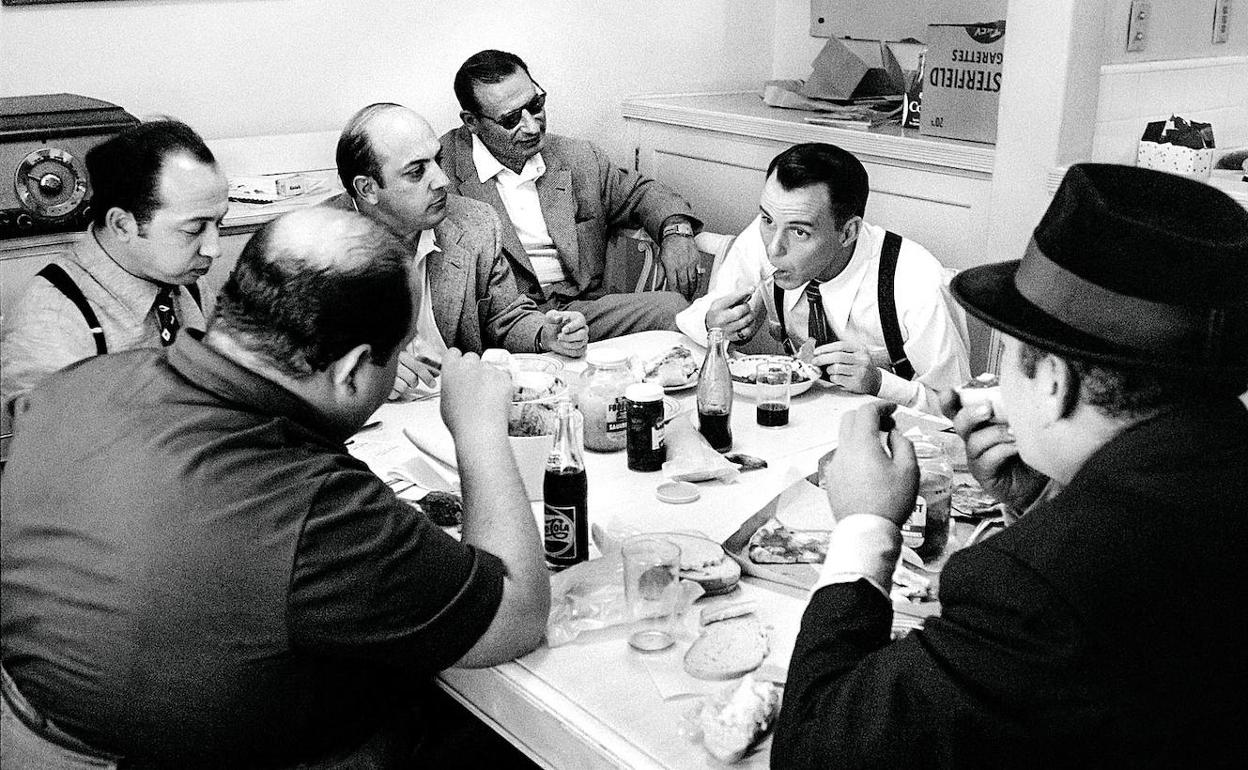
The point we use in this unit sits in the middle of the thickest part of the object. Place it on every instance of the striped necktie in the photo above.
(166, 319)
(817, 324)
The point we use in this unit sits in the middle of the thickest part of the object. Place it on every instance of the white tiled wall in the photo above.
(1207, 90)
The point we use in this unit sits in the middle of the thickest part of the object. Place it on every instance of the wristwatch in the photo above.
(679, 227)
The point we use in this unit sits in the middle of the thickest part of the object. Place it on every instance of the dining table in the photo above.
(595, 702)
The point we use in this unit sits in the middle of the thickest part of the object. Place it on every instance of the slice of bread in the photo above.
(696, 551)
(736, 720)
(727, 649)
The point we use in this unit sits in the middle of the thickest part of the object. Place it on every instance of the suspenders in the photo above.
(56, 275)
(887, 305)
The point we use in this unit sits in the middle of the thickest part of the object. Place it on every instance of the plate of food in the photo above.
(674, 369)
(744, 368)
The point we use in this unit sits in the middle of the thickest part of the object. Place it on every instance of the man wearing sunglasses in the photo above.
(559, 199)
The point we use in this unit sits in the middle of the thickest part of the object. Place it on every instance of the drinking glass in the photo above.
(652, 590)
(772, 380)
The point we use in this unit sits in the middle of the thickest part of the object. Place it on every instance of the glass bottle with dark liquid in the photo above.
(565, 494)
(715, 394)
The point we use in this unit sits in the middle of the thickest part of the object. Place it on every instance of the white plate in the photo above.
(742, 365)
(692, 382)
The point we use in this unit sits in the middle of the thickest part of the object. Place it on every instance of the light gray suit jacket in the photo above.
(585, 198)
(475, 301)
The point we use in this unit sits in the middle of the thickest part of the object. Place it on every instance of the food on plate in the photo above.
(774, 543)
(737, 719)
(728, 649)
(675, 367)
(705, 562)
(972, 502)
(534, 397)
(983, 389)
(446, 509)
(744, 369)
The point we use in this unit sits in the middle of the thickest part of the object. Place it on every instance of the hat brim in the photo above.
(988, 293)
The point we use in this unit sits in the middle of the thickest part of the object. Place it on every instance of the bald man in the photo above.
(218, 583)
(388, 163)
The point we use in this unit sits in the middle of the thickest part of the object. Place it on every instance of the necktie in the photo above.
(165, 317)
(817, 324)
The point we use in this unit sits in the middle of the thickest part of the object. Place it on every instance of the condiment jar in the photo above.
(601, 399)
(646, 448)
(927, 529)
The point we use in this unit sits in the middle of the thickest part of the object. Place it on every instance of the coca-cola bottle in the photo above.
(565, 494)
(715, 393)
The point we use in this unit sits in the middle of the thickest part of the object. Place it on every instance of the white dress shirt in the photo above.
(428, 341)
(933, 327)
(519, 194)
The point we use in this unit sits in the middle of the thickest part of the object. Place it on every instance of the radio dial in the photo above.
(50, 183)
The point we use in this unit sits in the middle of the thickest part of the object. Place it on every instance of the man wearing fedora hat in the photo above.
(1095, 631)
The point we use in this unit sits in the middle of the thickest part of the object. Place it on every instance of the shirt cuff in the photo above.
(861, 546)
(897, 390)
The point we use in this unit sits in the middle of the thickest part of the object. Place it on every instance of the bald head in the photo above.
(388, 163)
(313, 284)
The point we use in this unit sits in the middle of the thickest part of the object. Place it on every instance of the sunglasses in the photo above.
(536, 106)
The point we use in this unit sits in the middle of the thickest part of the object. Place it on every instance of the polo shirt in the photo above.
(195, 573)
(45, 331)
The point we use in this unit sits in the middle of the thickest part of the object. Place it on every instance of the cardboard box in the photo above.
(962, 84)
(854, 69)
(1177, 147)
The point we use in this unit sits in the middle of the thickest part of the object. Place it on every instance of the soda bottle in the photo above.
(565, 494)
(927, 528)
(715, 393)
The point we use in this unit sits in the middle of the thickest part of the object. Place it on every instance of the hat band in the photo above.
(1100, 312)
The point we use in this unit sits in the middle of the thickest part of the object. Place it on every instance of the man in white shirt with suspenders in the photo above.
(130, 281)
(873, 306)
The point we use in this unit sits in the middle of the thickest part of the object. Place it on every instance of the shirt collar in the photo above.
(488, 167)
(426, 244)
(133, 293)
(207, 369)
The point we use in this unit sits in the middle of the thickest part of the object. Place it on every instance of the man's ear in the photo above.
(345, 372)
(471, 120)
(850, 230)
(121, 224)
(365, 188)
(1057, 387)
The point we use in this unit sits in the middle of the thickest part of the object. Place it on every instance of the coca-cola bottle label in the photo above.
(560, 531)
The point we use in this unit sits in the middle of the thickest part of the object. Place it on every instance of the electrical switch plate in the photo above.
(1137, 27)
(1221, 20)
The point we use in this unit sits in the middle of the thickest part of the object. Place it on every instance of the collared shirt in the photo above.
(196, 571)
(519, 194)
(932, 325)
(428, 342)
(46, 331)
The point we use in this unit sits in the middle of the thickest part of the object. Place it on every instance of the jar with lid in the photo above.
(601, 399)
(927, 529)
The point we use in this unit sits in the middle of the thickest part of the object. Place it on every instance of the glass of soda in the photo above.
(772, 381)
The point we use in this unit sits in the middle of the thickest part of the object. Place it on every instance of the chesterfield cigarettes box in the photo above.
(962, 82)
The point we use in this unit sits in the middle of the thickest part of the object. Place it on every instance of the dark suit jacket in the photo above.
(584, 197)
(1104, 629)
(475, 301)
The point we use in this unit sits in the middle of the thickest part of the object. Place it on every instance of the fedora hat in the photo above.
(1128, 267)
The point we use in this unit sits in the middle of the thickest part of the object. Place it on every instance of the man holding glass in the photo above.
(1095, 631)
